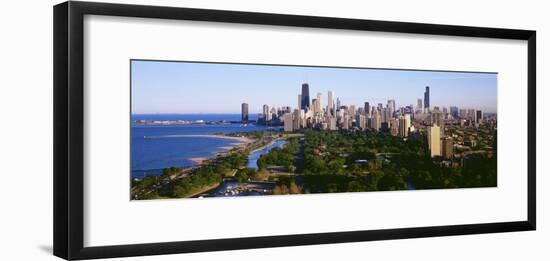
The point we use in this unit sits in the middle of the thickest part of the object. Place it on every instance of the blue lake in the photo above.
(153, 147)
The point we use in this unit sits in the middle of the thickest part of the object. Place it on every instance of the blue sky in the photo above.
(187, 87)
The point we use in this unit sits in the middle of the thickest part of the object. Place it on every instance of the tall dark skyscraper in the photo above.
(367, 108)
(479, 116)
(454, 111)
(305, 96)
(427, 98)
(244, 113)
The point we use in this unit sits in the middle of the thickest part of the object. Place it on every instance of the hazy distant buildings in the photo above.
(391, 106)
(454, 112)
(244, 113)
(437, 117)
(319, 103)
(404, 122)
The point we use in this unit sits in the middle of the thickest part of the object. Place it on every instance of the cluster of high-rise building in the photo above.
(403, 121)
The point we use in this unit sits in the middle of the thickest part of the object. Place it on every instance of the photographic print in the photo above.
(201, 130)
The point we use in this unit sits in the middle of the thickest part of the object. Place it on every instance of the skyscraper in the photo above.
(427, 98)
(299, 101)
(319, 103)
(367, 108)
(266, 113)
(404, 125)
(376, 124)
(305, 97)
(437, 117)
(419, 106)
(434, 142)
(288, 122)
(298, 119)
(315, 105)
(384, 115)
(244, 113)
(361, 121)
(352, 111)
(479, 116)
(454, 112)
(330, 103)
(472, 114)
(391, 105)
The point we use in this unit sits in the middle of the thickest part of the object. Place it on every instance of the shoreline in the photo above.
(266, 145)
(198, 160)
(203, 190)
(217, 136)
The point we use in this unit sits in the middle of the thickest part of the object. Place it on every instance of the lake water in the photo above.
(254, 156)
(154, 147)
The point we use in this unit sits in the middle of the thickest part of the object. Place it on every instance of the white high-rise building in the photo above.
(266, 113)
(434, 141)
(419, 106)
(299, 101)
(391, 106)
(298, 119)
(376, 123)
(314, 105)
(404, 125)
(352, 110)
(361, 121)
(319, 103)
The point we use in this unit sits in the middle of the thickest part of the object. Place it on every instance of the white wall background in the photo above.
(26, 129)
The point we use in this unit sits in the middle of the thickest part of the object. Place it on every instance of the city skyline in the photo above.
(164, 87)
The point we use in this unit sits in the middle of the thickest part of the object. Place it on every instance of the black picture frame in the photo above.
(69, 129)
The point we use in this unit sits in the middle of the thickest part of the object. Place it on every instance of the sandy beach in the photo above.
(198, 161)
(240, 141)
